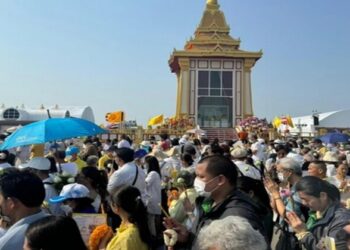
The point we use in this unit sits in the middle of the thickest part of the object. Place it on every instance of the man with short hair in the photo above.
(128, 173)
(21, 197)
(257, 148)
(216, 184)
(239, 155)
(40, 166)
(318, 169)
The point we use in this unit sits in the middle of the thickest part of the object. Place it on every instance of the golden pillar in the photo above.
(247, 88)
(183, 99)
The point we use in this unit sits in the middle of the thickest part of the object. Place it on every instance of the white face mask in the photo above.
(4, 217)
(200, 185)
(66, 209)
(280, 176)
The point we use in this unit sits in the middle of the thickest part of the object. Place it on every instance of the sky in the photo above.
(113, 54)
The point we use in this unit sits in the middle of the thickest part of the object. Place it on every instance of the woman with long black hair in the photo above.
(154, 196)
(133, 232)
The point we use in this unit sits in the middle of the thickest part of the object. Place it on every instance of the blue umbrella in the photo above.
(51, 130)
(335, 137)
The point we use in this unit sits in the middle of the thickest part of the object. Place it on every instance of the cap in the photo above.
(72, 150)
(71, 191)
(140, 153)
(39, 163)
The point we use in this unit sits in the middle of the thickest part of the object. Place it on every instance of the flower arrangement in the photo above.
(254, 123)
(61, 179)
(285, 193)
(97, 235)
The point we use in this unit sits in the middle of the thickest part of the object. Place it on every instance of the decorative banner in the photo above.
(156, 120)
(115, 117)
(87, 223)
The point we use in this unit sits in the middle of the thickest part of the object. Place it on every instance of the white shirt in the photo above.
(69, 167)
(13, 239)
(331, 170)
(22, 154)
(125, 175)
(256, 146)
(153, 190)
(5, 165)
(248, 170)
(97, 203)
(124, 144)
(51, 192)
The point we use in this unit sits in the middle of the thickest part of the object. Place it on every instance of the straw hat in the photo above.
(330, 157)
(159, 154)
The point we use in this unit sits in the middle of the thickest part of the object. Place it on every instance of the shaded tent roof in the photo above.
(30, 114)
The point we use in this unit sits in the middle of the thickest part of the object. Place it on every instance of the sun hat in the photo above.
(174, 151)
(330, 157)
(159, 154)
(71, 191)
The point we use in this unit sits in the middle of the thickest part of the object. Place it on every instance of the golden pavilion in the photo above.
(213, 74)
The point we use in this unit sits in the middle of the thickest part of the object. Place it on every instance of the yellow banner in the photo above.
(115, 117)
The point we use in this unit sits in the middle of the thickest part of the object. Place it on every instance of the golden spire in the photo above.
(212, 2)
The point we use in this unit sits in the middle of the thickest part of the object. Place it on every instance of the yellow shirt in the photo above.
(37, 150)
(127, 238)
(102, 160)
(80, 164)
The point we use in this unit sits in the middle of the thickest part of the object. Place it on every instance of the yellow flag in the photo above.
(115, 117)
(155, 120)
(276, 122)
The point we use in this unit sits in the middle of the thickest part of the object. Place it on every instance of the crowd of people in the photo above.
(177, 193)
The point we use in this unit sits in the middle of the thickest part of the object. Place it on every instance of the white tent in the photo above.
(304, 125)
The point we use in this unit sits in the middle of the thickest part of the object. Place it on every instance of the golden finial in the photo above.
(212, 2)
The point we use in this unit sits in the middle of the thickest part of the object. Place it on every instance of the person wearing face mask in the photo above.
(215, 182)
(287, 199)
(74, 198)
(327, 216)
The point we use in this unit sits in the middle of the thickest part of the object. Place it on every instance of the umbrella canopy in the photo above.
(335, 137)
(51, 130)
